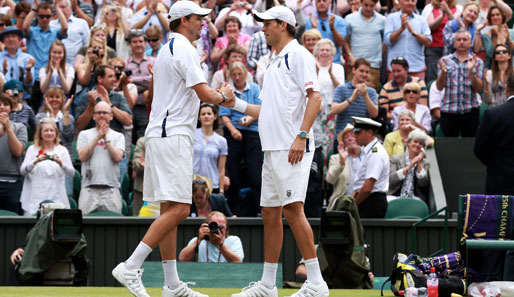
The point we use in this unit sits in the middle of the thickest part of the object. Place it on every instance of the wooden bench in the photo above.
(209, 275)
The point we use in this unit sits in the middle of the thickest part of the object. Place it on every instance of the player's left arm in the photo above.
(311, 111)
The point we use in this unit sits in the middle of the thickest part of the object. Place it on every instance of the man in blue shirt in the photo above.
(16, 64)
(365, 34)
(406, 35)
(39, 39)
(331, 26)
(354, 98)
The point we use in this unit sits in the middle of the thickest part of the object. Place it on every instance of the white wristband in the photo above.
(240, 105)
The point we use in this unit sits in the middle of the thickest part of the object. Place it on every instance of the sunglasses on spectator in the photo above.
(199, 182)
(100, 26)
(411, 91)
(45, 16)
(398, 58)
(102, 112)
(153, 40)
(501, 52)
(119, 68)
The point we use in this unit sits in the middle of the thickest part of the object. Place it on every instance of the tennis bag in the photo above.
(409, 271)
(341, 249)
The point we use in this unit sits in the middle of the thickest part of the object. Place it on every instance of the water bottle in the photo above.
(416, 292)
(433, 284)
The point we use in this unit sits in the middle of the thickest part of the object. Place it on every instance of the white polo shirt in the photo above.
(284, 97)
(175, 104)
(374, 164)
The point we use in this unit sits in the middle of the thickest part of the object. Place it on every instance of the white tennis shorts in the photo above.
(283, 183)
(168, 169)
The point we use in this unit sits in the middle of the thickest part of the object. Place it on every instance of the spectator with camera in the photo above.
(111, 17)
(213, 243)
(100, 149)
(100, 32)
(15, 64)
(44, 167)
(105, 76)
(13, 140)
(40, 37)
(78, 30)
(20, 113)
(127, 89)
(138, 69)
(95, 56)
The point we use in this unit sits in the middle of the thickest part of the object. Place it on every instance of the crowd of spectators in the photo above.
(76, 77)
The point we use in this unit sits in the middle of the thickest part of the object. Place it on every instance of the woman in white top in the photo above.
(330, 75)
(45, 166)
(57, 72)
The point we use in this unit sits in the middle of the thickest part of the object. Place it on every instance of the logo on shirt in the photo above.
(288, 193)
(374, 150)
(309, 83)
(279, 64)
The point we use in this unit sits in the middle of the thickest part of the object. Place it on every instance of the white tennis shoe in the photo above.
(181, 291)
(309, 289)
(257, 289)
(131, 279)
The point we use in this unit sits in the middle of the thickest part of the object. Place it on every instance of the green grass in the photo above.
(122, 292)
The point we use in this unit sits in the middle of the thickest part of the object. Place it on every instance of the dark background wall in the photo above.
(111, 240)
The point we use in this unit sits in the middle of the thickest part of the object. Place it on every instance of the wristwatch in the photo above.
(224, 97)
(303, 135)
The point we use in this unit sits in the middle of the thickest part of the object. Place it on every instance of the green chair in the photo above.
(483, 108)
(104, 213)
(438, 131)
(406, 208)
(126, 188)
(73, 203)
(77, 179)
(7, 213)
(125, 208)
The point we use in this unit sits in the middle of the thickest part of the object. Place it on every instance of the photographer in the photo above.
(44, 167)
(213, 243)
(95, 56)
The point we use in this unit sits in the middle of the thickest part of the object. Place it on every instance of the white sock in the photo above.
(138, 256)
(170, 274)
(269, 275)
(313, 271)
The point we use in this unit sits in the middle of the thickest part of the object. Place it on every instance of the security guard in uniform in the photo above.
(372, 180)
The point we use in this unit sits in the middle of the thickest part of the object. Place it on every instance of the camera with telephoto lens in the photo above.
(128, 73)
(15, 92)
(214, 227)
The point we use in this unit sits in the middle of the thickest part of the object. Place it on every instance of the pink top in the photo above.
(222, 42)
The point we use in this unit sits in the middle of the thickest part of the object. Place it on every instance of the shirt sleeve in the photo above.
(303, 68)
(339, 94)
(236, 246)
(190, 68)
(82, 140)
(341, 26)
(223, 146)
(374, 168)
(225, 111)
(119, 141)
(389, 29)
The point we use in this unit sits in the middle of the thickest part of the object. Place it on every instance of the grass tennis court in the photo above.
(122, 292)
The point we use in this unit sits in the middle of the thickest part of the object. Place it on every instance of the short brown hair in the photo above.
(5, 99)
(176, 23)
(100, 71)
(361, 61)
(21, 7)
(290, 29)
(232, 19)
(44, 5)
(233, 48)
